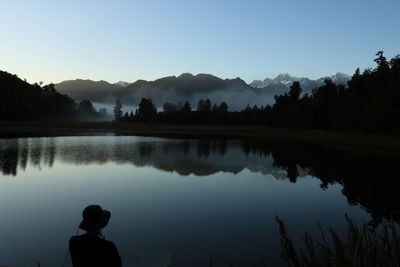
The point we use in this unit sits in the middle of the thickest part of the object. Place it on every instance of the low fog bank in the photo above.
(236, 98)
(110, 107)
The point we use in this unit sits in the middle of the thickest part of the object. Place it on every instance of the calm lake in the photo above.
(182, 201)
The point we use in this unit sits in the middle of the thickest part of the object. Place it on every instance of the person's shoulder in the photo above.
(74, 242)
(76, 238)
(109, 244)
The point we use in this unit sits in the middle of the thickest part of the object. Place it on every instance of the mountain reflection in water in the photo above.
(370, 181)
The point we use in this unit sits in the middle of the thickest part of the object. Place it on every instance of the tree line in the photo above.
(370, 102)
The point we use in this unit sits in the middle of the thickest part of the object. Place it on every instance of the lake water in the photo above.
(182, 202)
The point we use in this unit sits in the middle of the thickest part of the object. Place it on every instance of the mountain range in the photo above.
(187, 87)
(306, 84)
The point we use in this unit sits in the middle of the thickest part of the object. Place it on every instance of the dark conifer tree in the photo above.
(118, 110)
(223, 107)
(147, 110)
(169, 107)
(186, 107)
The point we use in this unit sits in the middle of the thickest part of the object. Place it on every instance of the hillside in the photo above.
(21, 100)
(96, 91)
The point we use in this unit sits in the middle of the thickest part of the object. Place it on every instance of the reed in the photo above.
(363, 246)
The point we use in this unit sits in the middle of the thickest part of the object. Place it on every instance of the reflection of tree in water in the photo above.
(371, 182)
(145, 149)
(222, 147)
(203, 148)
(23, 153)
(49, 153)
(36, 152)
(9, 157)
(186, 147)
(18, 153)
(282, 153)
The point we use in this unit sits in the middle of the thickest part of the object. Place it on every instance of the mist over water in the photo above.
(182, 200)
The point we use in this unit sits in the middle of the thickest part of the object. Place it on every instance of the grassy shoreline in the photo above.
(349, 141)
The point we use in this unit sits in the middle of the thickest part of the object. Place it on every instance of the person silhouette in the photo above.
(91, 249)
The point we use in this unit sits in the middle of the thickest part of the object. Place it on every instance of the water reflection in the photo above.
(369, 181)
(185, 157)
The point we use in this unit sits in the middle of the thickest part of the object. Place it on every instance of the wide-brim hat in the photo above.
(94, 218)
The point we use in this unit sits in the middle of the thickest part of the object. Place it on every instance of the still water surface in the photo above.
(181, 201)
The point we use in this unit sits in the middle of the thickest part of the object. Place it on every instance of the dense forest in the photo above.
(370, 102)
(20, 100)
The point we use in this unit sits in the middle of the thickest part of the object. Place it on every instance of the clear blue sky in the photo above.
(116, 40)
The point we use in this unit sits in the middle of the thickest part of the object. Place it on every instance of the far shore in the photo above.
(351, 141)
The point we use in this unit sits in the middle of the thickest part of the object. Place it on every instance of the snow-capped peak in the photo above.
(285, 78)
(122, 83)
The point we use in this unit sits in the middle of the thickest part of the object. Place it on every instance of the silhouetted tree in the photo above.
(295, 91)
(200, 105)
(49, 88)
(147, 110)
(186, 107)
(86, 107)
(204, 105)
(169, 107)
(383, 65)
(87, 111)
(126, 116)
(207, 105)
(118, 110)
(223, 107)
